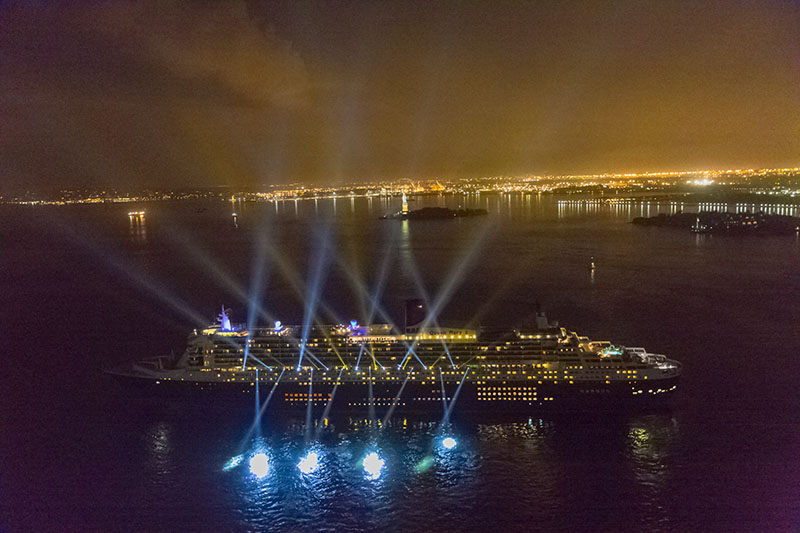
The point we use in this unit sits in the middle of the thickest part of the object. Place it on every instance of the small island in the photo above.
(746, 223)
(436, 213)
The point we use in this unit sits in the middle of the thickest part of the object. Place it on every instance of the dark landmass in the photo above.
(723, 222)
(433, 213)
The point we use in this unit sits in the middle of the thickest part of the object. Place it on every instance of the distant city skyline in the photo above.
(779, 184)
(170, 94)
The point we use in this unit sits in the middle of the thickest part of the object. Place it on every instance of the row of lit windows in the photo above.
(507, 393)
(437, 398)
(364, 382)
(248, 375)
(505, 388)
(386, 403)
(238, 353)
(394, 345)
(492, 398)
(471, 349)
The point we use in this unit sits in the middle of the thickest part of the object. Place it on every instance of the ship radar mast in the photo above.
(225, 320)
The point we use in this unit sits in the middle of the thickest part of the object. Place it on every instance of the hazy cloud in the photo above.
(235, 93)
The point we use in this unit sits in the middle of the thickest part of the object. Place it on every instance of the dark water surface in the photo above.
(83, 288)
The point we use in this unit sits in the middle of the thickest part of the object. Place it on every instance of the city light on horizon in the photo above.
(780, 181)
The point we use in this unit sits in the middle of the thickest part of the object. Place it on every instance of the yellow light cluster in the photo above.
(507, 393)
(427, 337)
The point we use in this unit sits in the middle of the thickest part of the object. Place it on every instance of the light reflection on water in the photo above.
(650, 443)
(660, 289)
(137, 229)
(160, 449)
(527, 460)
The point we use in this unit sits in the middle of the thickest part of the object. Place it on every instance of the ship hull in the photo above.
(507, 396)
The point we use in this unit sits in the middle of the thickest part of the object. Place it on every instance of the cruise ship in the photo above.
(357, 367)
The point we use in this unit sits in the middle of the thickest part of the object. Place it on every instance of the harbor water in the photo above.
(87, 287)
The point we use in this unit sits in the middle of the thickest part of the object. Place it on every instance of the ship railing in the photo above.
(154, 363)
(148, 367)
(662, 362)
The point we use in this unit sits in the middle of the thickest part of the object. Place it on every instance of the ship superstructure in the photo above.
(376, 365)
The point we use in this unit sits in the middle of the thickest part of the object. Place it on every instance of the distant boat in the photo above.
(746, 223)
(436, 213)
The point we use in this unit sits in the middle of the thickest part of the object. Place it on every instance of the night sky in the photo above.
(134, 94)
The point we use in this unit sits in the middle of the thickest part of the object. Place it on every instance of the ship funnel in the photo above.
(415, 315)
(541, 318)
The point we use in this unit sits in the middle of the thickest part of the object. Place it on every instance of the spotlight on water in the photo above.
(232, 463)
(259, 465)
(309, 463)
(425, 464)
(449, 443)
(373, 464)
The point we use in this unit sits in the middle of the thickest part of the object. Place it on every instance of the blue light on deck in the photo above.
(259, 465)
(309, 463)
(449, 443)
(278, 325)
(373, 465)
(224, 320)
